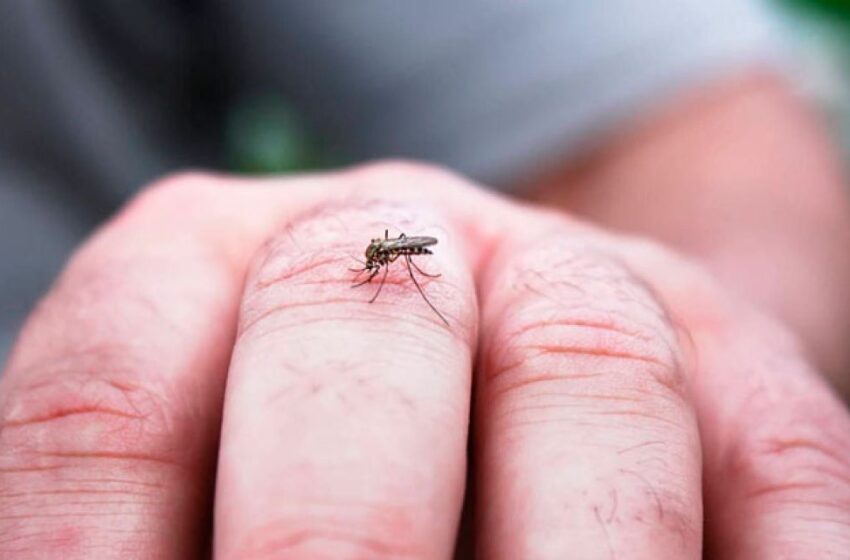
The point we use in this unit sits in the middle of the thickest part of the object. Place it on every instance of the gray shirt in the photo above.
(99, 97)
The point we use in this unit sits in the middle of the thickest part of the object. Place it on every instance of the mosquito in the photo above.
(382, 252)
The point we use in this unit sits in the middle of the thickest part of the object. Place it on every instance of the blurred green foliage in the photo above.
(836, 9)
(264, 135)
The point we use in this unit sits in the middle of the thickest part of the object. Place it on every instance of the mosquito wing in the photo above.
(409, 242)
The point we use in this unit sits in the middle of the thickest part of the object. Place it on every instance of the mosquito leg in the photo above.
(418, 287)
(367, 280)
(361, 262)
(384, 279)
(422, 272)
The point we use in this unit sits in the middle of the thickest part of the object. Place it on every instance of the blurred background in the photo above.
(819, 31)
(48, 203)
(265, 135)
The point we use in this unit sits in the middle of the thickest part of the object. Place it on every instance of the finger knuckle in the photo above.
(394, 169)
(790, 454)
(416, 176)
(577, 317)
(178, 189)
(174, 199)
(303, 274)
(164, 225)
(289, 282)
(78, 441)
(87, 410)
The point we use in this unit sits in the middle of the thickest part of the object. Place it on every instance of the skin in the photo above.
(202, 378)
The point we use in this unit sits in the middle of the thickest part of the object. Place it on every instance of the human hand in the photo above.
(617, 393)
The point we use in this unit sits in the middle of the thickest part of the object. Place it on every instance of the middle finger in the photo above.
(345, 422)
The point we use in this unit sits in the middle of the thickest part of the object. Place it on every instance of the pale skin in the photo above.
(202, 379)
(619, 391)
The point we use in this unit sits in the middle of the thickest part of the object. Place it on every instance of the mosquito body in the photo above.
(382, 252)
